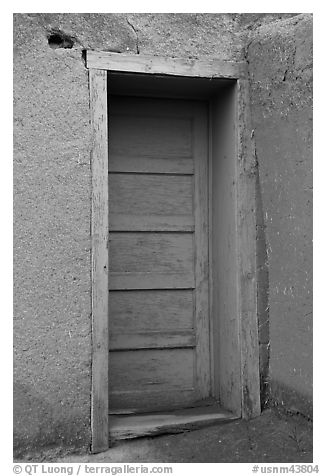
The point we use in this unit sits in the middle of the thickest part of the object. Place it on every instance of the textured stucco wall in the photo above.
(52, 332)
(280, 64)
(52, 301)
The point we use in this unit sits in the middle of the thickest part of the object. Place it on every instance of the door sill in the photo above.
(155, 423)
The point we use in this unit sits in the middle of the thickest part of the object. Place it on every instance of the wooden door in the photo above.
(158, 254)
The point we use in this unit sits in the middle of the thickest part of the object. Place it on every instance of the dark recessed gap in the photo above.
(84, 56)
(58, 39)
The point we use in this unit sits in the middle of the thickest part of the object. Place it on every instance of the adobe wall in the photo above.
(52, 300)
(280, 64)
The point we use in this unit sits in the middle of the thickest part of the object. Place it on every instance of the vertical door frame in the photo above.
(201, 235)
(100, 261)
(247, 385)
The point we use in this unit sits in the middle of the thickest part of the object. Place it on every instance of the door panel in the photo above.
(158, 254)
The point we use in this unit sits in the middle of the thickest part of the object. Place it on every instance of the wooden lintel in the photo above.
(194, 68)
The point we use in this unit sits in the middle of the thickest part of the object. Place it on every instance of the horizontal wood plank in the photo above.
(154, 136)
(119, 222)
(151, 280)
(141, 195)
(139, 401)
(152, 340)
(153, 310)
(206, 68)
(162, 370)
(148, 165)
(166, 253)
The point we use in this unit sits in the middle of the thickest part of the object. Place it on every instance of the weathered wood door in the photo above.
(158, 254)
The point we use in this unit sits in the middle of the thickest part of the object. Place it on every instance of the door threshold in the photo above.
(177, 421)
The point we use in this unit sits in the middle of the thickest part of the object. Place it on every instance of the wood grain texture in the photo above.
(213, 334)
(152, 340)
(150, 165)
(134, 426)
(153, 310)
(246, 232)
(143, 195)
(124, 222)
(152, 400)
(200, 151)
(145, 369)
(155, 253)
(158, 238)
(100, 264)
(151, 280)
(150, 134)
(224, 263)
(208, 68)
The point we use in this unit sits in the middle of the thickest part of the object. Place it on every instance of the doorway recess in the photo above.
(130, 94)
